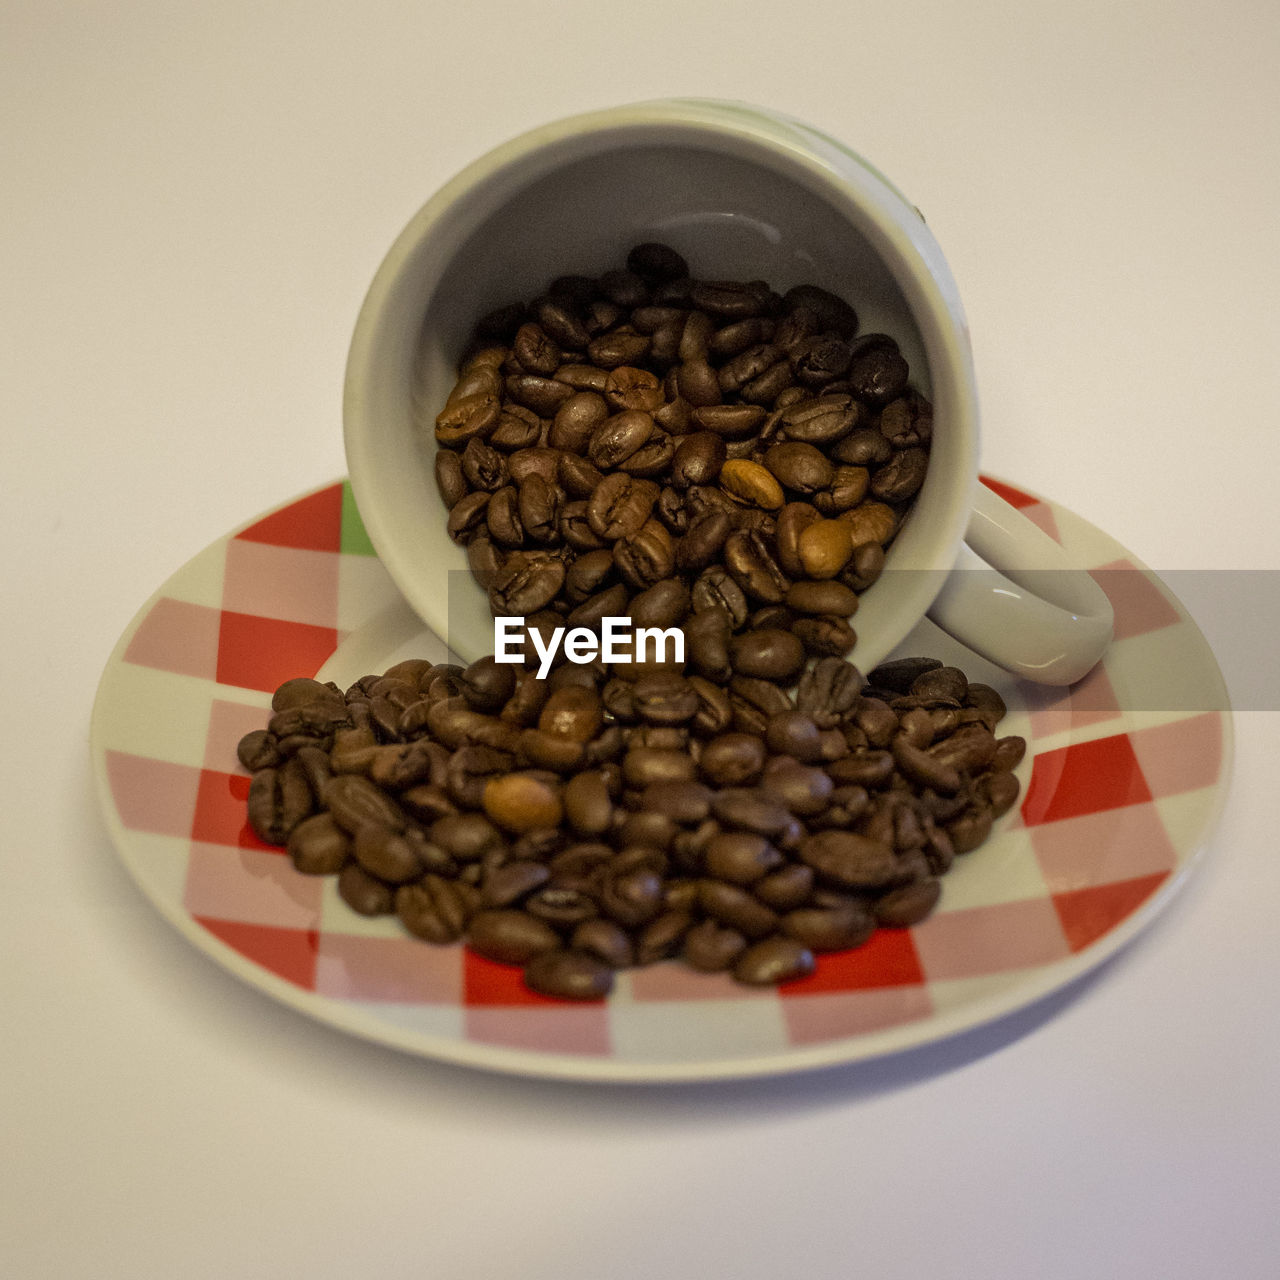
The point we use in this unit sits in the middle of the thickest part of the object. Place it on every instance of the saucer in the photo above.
(1124, 777)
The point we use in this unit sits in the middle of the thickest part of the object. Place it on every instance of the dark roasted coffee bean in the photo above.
(732, 759)
(733, 339)
(620, 505)
(573, 712)
(848, 859)
(577, 420)
(746, 810)
(901, 477)
(865, 566)
(483, 467)
(618, 347)
(471, 417)
(560, 323)
(830, 311)
(730, 299)
(703, 541)
(923, 769)
(732, 905)
(543, 395)
(665, 604)
(605, 940)
(450, 481)
(386, 854)
(510, 937)
(468, 837)
(575, 528)
(568, 974)
(665, 700)
(527, 582)
(587, 804)
(715, 711)
(1000, 790)
(518, 428)
(661, 937)
(970, 748)
(645, 557)
(820, 421)
(487, 685)
(535, 349)
(356, 802)
(768, 654)
(506, 885)
(1009, 752)
(826, 636)
(729, 421)
(793, 734)
(365, 894)
(909, 904)
(746, 365)
(740, 857)
(828, 692)
(750, 561)
(839, 927)
(685, 802)
(317, 846)
(258, 750)
(645, 765)
(698, 459)
(801, 467)
(820, 360)
(629, 388)
(712, 947)
(656, 261)
(824, 597)
(618, 437)
(793, 520)
(707, 648)
(436, 908)
(878, 375)
(578, 476)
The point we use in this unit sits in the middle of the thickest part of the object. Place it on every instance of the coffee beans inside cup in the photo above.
(644, 441)
(599, 819)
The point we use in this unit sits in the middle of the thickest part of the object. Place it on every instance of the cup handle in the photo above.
(1016, 598)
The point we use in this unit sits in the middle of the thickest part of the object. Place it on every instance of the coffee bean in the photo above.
(732, 759)
(363, 893)
(521, 801)
(712, 947)
(317, 846)
(901, 477)
(568, 974)
(773, 960)
(839, 927)
(751, 483)
(527, 582)
(902, 907)
(801, 467)
(750, 561)
(620, 505)
(824, 548)
(511, 937)
(768, 654)
(848, 859)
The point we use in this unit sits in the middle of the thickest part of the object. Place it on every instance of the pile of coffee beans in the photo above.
(741, 821)
(643, 443)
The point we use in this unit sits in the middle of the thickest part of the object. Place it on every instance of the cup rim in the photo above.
(862, 196)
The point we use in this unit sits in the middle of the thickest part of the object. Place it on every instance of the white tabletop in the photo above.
(194, 199)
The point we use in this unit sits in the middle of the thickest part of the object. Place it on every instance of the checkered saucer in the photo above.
(1125, 775)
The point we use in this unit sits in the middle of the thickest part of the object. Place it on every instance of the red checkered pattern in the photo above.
(1091, 831)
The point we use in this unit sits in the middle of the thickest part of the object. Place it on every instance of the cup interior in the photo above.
(736, 207)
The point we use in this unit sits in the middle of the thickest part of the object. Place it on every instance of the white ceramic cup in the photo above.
(742, 193)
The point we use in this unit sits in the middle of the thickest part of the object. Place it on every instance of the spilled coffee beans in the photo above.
(609, 817)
